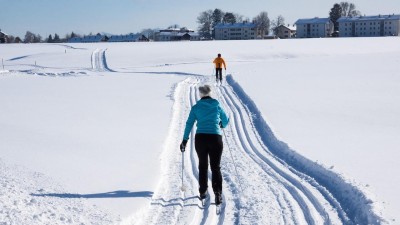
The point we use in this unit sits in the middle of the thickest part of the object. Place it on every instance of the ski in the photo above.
(218, 209)
(218, 203)
(205, 200)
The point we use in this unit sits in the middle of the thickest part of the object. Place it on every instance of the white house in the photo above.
(235, 31)
(176, 35)
(3, 37)
(369, 26)
(284, 32)
(314, 28)
(128, 38)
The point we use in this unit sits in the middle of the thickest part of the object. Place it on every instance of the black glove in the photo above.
(183, 145)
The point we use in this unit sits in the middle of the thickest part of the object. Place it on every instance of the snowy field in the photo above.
(89, 133)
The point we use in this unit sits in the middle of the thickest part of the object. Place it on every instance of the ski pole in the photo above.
(183, 167)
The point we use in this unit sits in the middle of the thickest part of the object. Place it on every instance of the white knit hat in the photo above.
(205, 90)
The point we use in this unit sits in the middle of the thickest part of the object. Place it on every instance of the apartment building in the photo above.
(235, 31)
(369, 26)
(172, 34)
(314, 28)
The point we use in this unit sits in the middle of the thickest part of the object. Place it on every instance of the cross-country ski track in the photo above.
(265, 182)
(260, 186)
(99, 62)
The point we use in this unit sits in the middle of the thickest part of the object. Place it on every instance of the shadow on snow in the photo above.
(113, 194)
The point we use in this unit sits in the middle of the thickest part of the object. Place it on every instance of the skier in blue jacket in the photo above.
(210, 119)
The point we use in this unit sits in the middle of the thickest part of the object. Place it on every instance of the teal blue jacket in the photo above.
(209, 115)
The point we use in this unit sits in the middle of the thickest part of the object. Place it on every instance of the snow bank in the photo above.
(25, 199)
(360, 207)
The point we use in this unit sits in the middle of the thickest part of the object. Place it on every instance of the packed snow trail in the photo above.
(273, 194)
(259, 187)
(99, 62)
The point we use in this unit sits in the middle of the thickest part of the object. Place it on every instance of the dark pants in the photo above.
(218, 71)
(209, 145)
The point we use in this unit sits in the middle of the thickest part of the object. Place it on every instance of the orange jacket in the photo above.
(218, 62)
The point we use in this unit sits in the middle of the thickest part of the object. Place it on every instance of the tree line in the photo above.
(31, 37)
(342, 9)
(207, 21)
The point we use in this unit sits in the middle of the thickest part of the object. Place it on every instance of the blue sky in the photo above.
(125, 16)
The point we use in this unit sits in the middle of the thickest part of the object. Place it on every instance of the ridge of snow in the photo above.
(360, 206)
(25, 199)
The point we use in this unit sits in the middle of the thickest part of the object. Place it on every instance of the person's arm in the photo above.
(189, 124)
(223, 61)
(224, 118)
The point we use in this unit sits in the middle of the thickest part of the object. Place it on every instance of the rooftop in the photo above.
(313, 20)
(235, 25)
(368, 18)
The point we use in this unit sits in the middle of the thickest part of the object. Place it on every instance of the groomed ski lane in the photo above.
(264, 191)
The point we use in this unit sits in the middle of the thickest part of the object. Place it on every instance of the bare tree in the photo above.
(349, 9)
(10, 39)
(37, 38)
(149, 33)
(174, 26)
(263, 24)
(239, 18)
(280, 20)
(29, 37)
(205, 20)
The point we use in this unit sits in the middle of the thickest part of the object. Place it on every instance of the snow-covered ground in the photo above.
(313, 136)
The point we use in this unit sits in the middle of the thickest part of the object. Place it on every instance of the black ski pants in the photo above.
(209, 145)
(218, 73)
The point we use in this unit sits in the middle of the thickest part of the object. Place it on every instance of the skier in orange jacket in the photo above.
(218, 67)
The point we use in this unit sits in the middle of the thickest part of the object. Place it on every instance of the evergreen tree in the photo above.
(334, 15)
(50, 39)
(18, 40)
(56, 38)
(37, 38)
(217, 16)
(229, 18)
(73, 35)
(216, 19)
